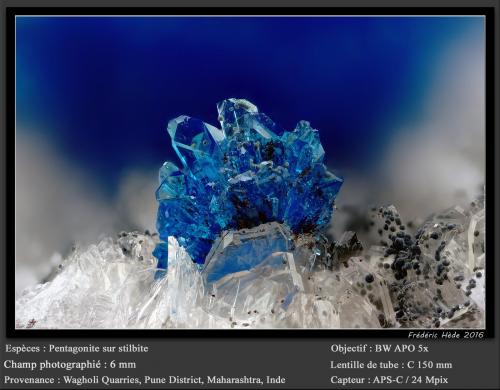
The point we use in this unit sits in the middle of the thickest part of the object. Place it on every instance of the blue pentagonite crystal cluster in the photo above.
(245, 174)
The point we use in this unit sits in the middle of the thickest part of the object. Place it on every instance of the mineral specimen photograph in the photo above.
(250, 172)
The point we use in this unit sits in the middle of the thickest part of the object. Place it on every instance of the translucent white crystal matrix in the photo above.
(267, 277)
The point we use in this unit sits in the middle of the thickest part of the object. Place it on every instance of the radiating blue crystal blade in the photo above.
(248, 173)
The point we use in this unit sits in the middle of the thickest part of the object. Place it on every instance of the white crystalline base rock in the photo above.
(289, 283)
(112, 285)
(99, 287)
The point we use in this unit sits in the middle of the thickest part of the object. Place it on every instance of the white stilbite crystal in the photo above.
(95, 288)
(265, 277)
(112, 285)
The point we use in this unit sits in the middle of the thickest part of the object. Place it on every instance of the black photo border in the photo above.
(491, 173)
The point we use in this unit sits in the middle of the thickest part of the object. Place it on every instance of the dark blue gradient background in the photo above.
(102, 90)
